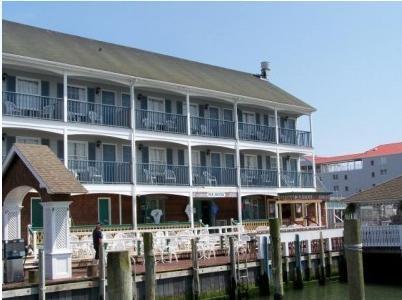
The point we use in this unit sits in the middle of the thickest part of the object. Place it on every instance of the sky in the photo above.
(345, 59)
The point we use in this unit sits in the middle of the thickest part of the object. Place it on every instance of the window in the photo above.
(27, 140)
(383, 161)
(227, 115)
(229, 160)
(76, 93)
(336, 188)
(372, 163)
(253, 208)
(372, 174)
(28, 86)
(195, 158)
(156, 104)
(77, 150)
(248, 117)
(335, 177)
(125, 100)
(298, 210)
(342, 166)
(346, 177)
(150, 203)
(157, 156)
(383, 171)
(346, 188)
(250, 161)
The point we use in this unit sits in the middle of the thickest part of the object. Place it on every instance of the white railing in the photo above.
(382, 236)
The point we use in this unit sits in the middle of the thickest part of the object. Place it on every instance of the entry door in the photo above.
(214, 123)
(36, 212)
(103, 211)
(108, 109)
(109, 159)
(216, 166)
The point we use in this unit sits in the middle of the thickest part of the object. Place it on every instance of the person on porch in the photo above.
(97, 237)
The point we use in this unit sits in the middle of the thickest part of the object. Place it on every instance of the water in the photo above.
(339, 291)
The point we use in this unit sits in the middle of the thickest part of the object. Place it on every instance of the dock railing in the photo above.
(386, 236)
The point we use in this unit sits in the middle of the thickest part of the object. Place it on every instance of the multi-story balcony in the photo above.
(257, 177)
(162, 174)
(214, 176)
(296, 179)
(212, 127)
(32, 106)
(159, 121)
(98, 114)
(98, 172)
(294, 137)
(257, 133)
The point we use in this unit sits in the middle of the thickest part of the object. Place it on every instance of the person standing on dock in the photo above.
(97, 237)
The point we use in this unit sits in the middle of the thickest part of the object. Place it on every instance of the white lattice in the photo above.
(61, 227)
(13, 225)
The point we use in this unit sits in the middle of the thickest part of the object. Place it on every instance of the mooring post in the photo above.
(42, 272)
(321, 279)
(274, 229)
(309, 270)
(329, 262)
(102, 273)
(150, 280)
(264, 268)
(354, 259)
(119, 280)
(196, 275)
(298, 279)
(233, 277)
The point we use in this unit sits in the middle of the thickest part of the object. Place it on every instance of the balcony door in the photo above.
(109, 159)
(216, 166)
(108, 108)
(250, 161)
(248, 117)
(214, 120)
(30, 88)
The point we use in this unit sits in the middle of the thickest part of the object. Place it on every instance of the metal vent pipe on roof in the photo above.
(265, 69)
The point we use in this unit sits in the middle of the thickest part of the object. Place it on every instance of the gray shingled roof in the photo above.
(389, 191)
(54, 46)
(46, 168)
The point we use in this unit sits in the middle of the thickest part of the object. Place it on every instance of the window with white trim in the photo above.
(250, 161)
(157, 156)
(156, 104)
(76, 93)
(248, 117)
(27, 140)
(28, 86)
(77, 150)
(195, 158)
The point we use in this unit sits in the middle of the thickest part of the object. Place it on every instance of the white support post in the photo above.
(313, 156)
(191, 202)
(120, 212)
(314, 172)
(133, 160)
(190, 164)
(238, 171)
(56, 232)
(278, 167)
(319, 214)
(188, 114)
(65, 98)
(12, 222)
(65, 147)
(276, 127)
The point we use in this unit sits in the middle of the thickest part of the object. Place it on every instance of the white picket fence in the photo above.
(382, 236)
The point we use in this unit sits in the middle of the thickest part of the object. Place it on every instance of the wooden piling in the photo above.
(329, 258)
(298, 279)
(42, 276)
(309, 266)
(119, 278)
(196, 275)
(150, 280)
(354, 259)
(321, 271)
(102, 273)
(233, 277)
(274, 227)
(264, 269)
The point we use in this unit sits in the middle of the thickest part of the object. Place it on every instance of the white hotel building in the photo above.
(149, 134)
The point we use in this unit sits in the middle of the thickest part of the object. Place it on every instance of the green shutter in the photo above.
(169, 156)
(145, 155)
(180, 157)
(259, 162)
(36, 212)
(60, 90)
(91, 95)
(203, 158)
(103, 211)
(11, 85)
(179, 107)
(45, 88)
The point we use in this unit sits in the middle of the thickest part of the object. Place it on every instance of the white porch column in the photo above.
(65, 98)
(238, 171)
(56, 232)
(319, 214)
(12, 222)
(313, 156)
(190, 164)
(191, 202)
(278, 168)
(276, 126)
(133, 159)
(65, 147)
(188, 114)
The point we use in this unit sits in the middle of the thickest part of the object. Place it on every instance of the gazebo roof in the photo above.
(46, 168)
(389, 191)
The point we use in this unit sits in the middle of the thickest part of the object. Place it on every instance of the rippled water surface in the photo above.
(339, 291)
